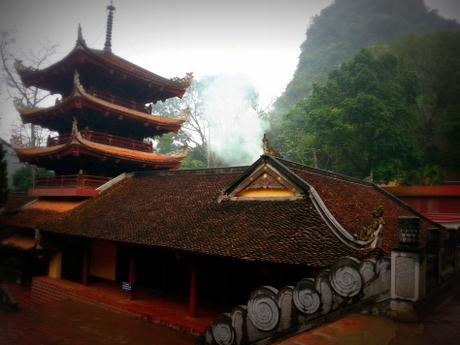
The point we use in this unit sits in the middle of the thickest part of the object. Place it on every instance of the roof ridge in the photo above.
(190, 171)
(324, 172)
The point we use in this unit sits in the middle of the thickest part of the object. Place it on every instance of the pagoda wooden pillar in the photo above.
(55, 266)
(85, 264)
(132, 274)
(193, 295)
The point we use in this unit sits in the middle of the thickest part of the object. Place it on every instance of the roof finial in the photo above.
(268, 150)
(80, 39)
(108, 34)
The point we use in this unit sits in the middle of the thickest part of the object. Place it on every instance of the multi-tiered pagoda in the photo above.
(102, 118)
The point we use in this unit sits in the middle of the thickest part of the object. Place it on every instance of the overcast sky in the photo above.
(258, 39)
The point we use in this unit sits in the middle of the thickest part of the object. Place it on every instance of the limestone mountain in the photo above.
(347, 26)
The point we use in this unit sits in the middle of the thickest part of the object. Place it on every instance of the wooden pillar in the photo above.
(192, 302)
(132, 274)
(85, 265)
(55, 266)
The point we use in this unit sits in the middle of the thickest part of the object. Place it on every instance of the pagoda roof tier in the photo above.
(96, 65)
(79, 153)
(99, 114)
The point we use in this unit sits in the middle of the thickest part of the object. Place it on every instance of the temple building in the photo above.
(439, 203)
(118, 216)
(101, 119)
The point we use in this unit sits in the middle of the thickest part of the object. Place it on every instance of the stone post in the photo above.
(408, 269)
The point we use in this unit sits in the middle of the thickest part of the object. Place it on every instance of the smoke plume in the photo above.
(235, 128)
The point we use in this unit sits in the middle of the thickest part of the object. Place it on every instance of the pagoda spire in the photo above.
(80, 40)
(108, 34)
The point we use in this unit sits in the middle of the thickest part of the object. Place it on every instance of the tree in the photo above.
(357, 122)
(23, 178)
(225, 126)
(390, 113)
(194, 132)
(3, 177)
(341, 31)
(25, 135)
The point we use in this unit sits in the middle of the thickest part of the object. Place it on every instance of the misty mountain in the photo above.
(392, 113)
(347, 26)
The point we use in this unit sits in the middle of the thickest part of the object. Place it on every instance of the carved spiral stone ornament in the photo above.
(263, 310)
(223, 333)
(367, 270)
(382, 265)
(345, 278)
(323, 286)
(306, 297)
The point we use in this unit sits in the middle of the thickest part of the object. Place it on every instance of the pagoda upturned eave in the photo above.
(77, 146)
(57, 78)
(79, 101)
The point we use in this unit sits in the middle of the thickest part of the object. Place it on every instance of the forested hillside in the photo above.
(392, 112)
(347, 26)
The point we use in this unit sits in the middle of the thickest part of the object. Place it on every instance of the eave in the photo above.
(78, 146)
(112, 66)
(55, 117)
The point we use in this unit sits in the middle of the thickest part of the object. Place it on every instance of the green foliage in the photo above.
(391, 113)
(347, 26)
(341, 31)
(166, 143)
(23, 177)
(194, 160)
(3, 177)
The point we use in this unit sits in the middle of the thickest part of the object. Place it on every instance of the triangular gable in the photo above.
(266, 179)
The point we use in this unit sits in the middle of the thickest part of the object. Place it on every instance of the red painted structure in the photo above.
(441, 204)
(110, 99)
(106, 97)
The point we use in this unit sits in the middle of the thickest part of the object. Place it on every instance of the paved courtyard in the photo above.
(70, 322)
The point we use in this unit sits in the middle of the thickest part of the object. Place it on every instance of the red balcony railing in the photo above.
(70, 181)
(104, 138)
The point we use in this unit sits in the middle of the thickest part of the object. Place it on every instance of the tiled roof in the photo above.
(16, 200)
(352, 203)
(36, 213)
(77, 143)
(19, 242)
(79, 95)
(126, 65)
(179, 210)
(102, 59)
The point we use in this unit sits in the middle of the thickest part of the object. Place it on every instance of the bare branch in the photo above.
(28, 135)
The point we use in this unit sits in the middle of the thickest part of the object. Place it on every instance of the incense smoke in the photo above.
(235, 128)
